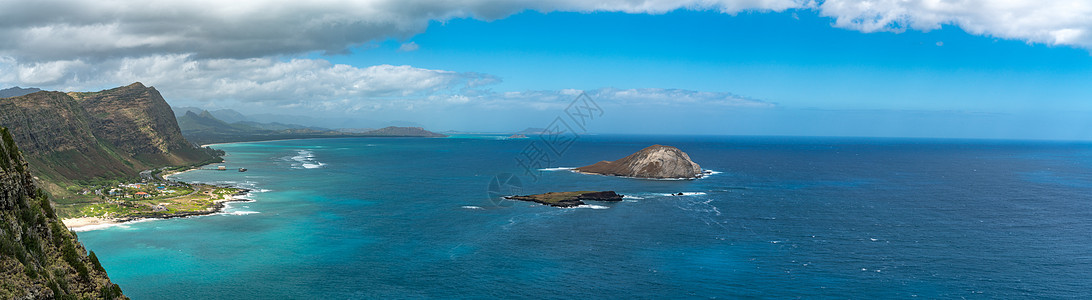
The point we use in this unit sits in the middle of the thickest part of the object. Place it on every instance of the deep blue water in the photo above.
(786, 218)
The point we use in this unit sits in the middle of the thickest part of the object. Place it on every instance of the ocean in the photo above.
(781, 217)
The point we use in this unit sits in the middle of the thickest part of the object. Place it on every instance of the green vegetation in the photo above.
(40, 258)
(143, 199)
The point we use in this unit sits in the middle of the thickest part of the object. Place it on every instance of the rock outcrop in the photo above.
(569, 199)
(656, 161)
(39, 257)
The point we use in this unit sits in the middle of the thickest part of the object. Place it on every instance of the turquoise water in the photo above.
(787, 217)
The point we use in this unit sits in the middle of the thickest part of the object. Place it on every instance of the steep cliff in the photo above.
(39, 257)
(109, 134)
(139, 122)
(656, 161)
(56, 136)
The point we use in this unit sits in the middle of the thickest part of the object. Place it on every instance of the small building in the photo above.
(142, 195)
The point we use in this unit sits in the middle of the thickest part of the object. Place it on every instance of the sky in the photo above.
(1003, 69)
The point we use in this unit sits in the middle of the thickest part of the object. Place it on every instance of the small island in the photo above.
(569, 199)
(653, 162)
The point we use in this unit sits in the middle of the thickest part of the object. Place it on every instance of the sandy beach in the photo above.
(88, 223)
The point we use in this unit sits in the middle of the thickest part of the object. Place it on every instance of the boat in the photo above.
(242, 169)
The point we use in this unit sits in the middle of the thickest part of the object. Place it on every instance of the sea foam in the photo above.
(305, 159)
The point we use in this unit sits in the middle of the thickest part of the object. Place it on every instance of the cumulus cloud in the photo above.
(96, 30)
(258, 81)
(55, 30)
(204, 50)
(1053, 22)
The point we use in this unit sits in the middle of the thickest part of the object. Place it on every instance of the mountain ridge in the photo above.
(86, 136)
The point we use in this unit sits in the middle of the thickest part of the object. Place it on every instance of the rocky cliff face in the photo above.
(56, 136)
(140, 123)
(108, 134)
(656, 161)
(39, 257)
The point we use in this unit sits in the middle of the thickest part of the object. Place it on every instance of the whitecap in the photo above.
(556, 169)
(472, 207)
(305, 159)
(592, 206)
(632, 197)
(241, 213)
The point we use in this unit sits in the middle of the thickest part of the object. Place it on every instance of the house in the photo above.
(142, 195)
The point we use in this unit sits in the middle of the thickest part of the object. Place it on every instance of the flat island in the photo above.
(569, 199)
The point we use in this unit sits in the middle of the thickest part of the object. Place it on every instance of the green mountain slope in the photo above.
(104, 135)
(39, 257)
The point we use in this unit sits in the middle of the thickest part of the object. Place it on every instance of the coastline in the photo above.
(95, 223)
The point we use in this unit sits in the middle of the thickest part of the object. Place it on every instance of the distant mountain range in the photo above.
(531, 131)
(205, 127)
(17, 91)
(87, 136)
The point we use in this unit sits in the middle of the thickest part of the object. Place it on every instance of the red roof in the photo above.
(141, 193)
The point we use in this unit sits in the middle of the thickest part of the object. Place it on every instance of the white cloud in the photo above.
(1052, 22)
(408, 47)
(205, 50)
(95, 30)
(257, 81)
(53, 30)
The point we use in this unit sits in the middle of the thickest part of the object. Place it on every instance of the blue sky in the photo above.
(1013, 69)
(801, 61)
(952, 83)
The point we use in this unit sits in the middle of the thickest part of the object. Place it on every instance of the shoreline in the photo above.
(94, 223)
